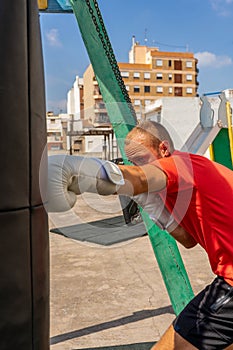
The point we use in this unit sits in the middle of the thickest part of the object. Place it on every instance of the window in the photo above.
(189, 64)
(136, 75)
(159, 76)
(125, 74)
(146, 88)
(189, 77)
(178, 78)
(147, 102)
(189, 90)
(159, 63)
(159, 89)
(136, 88)
(127, 87)
(169, 76)
(102, 118)
(178, 65)
(89, 145)
(178, 91)
(170, 90)
(169, 63)
(146, 75)
(137, 103)
(100, 105)
(97, 91)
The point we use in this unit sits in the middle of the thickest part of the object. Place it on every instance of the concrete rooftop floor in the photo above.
(110, 297)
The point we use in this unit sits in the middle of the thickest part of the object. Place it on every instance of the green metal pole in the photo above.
(122, 117)
(230, 129)
(222, 146)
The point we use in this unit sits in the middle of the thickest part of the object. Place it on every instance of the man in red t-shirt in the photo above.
(196, 196)
(199, 195)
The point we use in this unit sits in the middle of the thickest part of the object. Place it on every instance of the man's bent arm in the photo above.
(182, 236)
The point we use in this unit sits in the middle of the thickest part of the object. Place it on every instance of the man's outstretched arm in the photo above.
(146, 178)
(69, 176)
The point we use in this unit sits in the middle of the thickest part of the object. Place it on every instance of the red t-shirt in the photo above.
(199, 194)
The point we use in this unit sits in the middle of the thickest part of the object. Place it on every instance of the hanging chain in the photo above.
(109, 52)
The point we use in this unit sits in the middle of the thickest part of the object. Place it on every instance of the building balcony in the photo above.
(54, 138)
(100, 110)
(100, 107)
(54, 128)
(97, 96)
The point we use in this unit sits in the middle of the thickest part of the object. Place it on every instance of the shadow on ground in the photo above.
(136, 316)
(138, 346)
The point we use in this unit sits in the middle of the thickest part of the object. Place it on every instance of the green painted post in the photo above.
(171, 265)
(221, 148)
(122, 117)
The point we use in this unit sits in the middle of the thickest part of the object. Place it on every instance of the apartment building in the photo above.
(94, 107)
(55, 125)
(149, 75)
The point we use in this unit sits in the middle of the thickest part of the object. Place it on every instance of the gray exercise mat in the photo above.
(104, 232)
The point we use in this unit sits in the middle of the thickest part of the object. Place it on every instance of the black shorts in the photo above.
(207, 321)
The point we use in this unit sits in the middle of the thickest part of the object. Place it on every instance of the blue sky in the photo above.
(205, 27)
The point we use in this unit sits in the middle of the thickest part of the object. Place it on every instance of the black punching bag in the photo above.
(24, 248)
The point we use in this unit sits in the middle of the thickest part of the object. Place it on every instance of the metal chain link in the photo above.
(100, 28)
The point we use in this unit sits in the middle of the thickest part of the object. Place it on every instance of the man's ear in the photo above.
(165, 149)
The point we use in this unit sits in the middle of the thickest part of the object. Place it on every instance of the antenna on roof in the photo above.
(133, 40)
(145, 36)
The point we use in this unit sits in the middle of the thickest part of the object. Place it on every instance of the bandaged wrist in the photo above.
(154, 206)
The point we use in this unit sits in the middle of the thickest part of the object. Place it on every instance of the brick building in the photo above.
(149, 75)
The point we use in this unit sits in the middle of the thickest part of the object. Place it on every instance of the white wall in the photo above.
(94, 144)
(70, 101)
(73, 98)
(180, 115)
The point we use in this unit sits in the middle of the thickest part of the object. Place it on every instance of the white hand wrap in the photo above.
(154, 206)
(72, 175)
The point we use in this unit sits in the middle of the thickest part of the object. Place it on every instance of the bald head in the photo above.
(147, 142)
(154, 133)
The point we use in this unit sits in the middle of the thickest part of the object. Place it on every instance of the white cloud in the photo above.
(208, 59)
(222, 7)
(53, 38)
